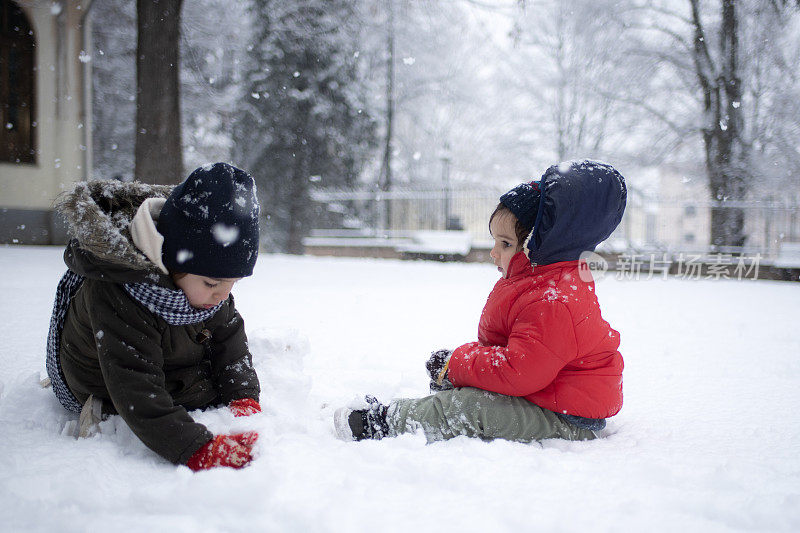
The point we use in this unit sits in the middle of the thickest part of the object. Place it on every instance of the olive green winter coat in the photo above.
(147, 371)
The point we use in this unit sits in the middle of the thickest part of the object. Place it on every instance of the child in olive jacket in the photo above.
(546, 364)
(144, 324)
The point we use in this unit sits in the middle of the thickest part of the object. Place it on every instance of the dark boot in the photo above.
(360, 424)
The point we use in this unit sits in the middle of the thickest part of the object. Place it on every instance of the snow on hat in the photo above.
(583, 202)
(210, 223)
(523, 202)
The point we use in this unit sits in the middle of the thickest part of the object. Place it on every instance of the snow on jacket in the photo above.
(541, 335)
(148, 371)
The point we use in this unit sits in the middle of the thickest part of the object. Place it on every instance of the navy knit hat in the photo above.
(210, 223)
(523, 202)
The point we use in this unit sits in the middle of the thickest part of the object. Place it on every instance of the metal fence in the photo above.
(684, 225)
(408, 209)
(650, 224)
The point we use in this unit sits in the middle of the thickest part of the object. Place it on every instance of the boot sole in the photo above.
(341, 424)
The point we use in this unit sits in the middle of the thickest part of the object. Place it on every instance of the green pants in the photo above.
(479, 413)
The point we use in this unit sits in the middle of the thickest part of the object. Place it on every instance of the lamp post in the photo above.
(446, 157)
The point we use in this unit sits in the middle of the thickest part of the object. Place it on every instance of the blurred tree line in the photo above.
(309, 93)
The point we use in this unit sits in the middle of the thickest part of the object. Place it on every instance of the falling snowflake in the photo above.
(225, 235)
(183, 256)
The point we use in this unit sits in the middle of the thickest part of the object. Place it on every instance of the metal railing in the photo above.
(662, 225)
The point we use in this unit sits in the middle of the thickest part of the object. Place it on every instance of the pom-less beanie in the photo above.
(523, 202)
(210, 223)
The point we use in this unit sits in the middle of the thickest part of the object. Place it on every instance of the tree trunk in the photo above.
(301, 170)
(299, 199)
(727, 153)
(386, 165)
(158, 157)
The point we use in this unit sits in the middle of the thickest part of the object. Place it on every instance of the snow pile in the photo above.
(438, 242)
(706, 440)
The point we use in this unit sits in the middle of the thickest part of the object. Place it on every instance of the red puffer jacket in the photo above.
(541, 336)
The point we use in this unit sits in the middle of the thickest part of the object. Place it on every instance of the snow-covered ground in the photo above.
(708, 439)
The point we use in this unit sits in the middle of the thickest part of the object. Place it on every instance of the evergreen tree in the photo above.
(214, 37)
(303, 120)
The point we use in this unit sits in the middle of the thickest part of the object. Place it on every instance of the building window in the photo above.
(16, 85)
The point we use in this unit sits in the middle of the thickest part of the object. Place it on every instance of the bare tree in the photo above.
(722, 76)
(386, 164)
(439, 88)
(727, 152)
(772, 90)
(158, 156)
(566, 76)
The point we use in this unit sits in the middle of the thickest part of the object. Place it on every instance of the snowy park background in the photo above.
(707, 439)
(369, 98)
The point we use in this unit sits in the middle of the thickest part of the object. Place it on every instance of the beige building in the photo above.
(674, 215)
(45, 139)
(683, 210)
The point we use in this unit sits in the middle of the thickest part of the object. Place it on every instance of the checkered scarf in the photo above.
(67, 287)
(171, 305)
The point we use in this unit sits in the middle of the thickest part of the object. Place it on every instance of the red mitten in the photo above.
(248, 438)
(244, 407)
(234, 451)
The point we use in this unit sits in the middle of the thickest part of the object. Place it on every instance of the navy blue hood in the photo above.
(582, 203)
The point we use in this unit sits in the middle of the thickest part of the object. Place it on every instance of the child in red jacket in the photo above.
(546, 363)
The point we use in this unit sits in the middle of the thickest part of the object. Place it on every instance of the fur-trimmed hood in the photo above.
(98, 215)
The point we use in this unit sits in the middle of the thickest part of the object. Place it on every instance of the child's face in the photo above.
(203, 292)
(503, 227)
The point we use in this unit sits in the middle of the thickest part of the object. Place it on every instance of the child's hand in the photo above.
(437, 370)
(244, 407)
(234, 451)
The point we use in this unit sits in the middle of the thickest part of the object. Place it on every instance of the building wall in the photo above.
(61, 134)
(684, 217)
